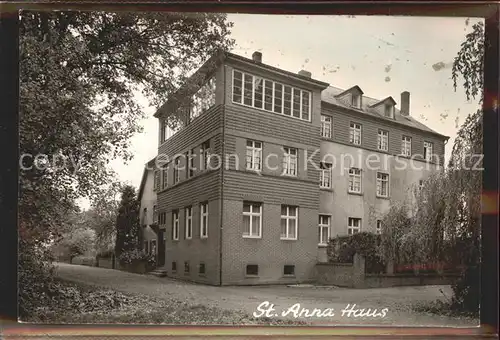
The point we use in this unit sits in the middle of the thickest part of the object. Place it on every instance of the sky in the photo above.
(383, 55)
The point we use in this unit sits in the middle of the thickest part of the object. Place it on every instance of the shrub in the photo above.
(136, 255)
(342, 249)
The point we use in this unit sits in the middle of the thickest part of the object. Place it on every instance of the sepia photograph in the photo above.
(249, 169)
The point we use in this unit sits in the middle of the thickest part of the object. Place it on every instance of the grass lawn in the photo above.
(77, 303)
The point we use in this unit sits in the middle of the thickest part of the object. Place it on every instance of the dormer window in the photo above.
(356, 100)
(389, 110)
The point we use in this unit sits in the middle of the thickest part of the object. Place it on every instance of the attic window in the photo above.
(389, 110)
(356, 100)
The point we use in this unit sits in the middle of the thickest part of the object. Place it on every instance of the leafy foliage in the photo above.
(469, 62)
(127, 222)
(79, 74)
(343, 248)
(135, 255)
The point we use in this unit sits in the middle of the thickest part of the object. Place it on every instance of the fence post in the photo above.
(389, 268)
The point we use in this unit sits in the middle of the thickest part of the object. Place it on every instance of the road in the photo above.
(395, 300)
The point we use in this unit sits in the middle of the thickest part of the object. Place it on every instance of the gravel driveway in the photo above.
(247, 298)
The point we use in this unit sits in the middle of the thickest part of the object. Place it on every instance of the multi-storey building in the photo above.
(268, 164)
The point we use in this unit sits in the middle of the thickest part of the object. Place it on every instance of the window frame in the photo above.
(293, 270)
(406, 146)
(288, 156)
(254, 152)
(355, 173)
(205, 153)
(177, 173)
(252, 275)
(164, 178)
(251, 214)
(188, 220)
(326, 121)
(380, 182)
(427, 155)
(175, 225)
(325, 168)
(321, 226)
(356, 100)
(355, 129)
(383, 140)
(287, 218)
(265, 81)
(203, 223)
(352, 227)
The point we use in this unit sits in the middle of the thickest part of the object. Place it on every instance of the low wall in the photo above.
(105, 262)
(353, 275)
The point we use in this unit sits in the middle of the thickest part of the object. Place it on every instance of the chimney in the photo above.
(305, 73)
(257, 56)
(405, 103)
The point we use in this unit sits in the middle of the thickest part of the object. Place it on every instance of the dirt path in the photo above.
(247, 299)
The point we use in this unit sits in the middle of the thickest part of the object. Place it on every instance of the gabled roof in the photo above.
(383, 101)
(147, 167)
(330, 95)
(351, 89)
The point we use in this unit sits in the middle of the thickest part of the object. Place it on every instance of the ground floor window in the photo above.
(353, 226)
(324, 229)
(201, 269)
(174, 267)
(289, 270)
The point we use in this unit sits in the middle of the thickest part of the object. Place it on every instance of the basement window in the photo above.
(201, 269)
(186, 267)
(289, 270)
(174, 267)
(252, 270)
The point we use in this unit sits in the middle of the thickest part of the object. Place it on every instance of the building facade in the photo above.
(268, 164)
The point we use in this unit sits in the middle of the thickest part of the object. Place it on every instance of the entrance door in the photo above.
(161, 248)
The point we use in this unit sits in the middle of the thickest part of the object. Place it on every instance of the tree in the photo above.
(79, 74)
(127, 222)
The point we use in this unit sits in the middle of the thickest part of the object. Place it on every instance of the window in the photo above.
(388, 110)
(355, 180)
(406, 146)
(268, 95)
(204, 99)
(146, 247)
(324, 229)
(204, 220)
(355, 134)
(382, 184)
(155, 214)
(420, 185)
(288, 270)
(290, 161)
(289, 216)
(252, 219)
(164, 130)
(237, 86)
(175, 225)
(383, 140)
(254, 155)
(353, 226)
(325, 175)
(428, 151)
(177, 165)
(174, 267)
(278, 98)
(162, 218)
(190, 163)
(156, 182)
(326, 126)
(186, 267)
(201, 269)
(378, 229)
(205, 153)
(356, 100)
(164, 178)
(252, 270)
(189, 223)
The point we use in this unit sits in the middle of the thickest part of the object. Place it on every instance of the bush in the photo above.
(136, 255)
(342, 249)
(466, 291)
